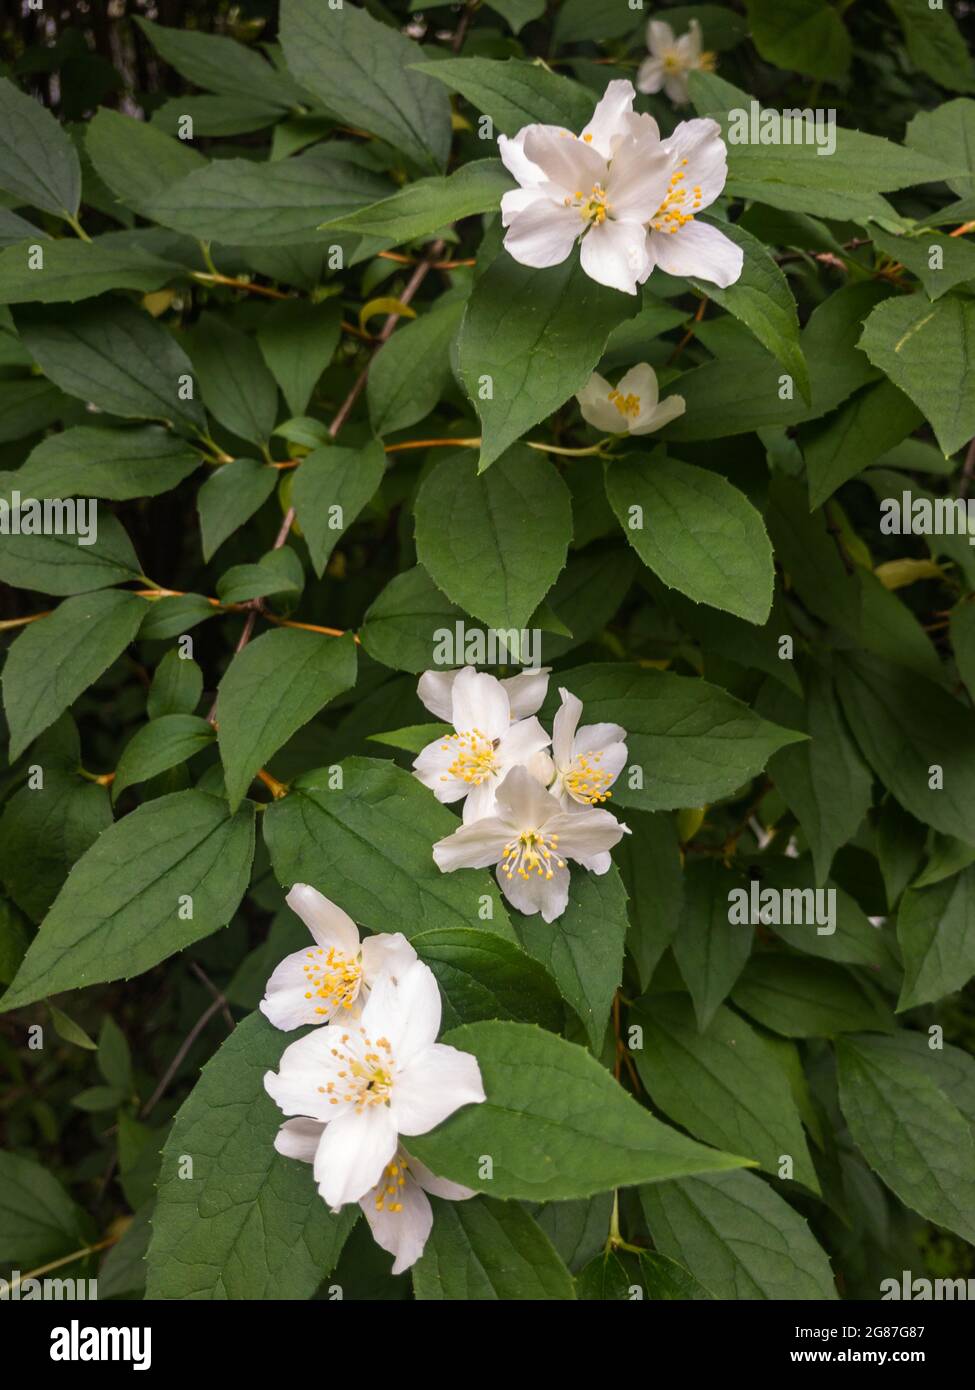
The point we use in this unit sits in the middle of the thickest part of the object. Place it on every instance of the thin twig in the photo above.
(185, 1046)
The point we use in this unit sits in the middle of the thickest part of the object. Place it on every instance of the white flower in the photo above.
(671, 59)
(472, 761)
(526, 692)
(676, 242)
(633, 405)
(529, 839)
(370, 1080)
(587, 760)
(397, 1209)
(336, 974)
(601, 186)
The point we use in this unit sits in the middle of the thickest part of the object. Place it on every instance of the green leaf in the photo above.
(909, 1132)
(362, 72)
(115, 356)
(649, 861)
(176, 686)
(249, 1223)
(221, 64)
(165, 742)
(514, 93)
(39, 1222)
(483, 1249)
(806, 998)
(518, 13)
(414, 738)
(865, 427)
(584, 953)
(627, 1274)
(272, 689)
(329, 491)
(52, 661)
(529, 341)
(936, 45)
(114, 1056)
(408, 374)
(277, 203)
(494, 542)
(93, 555)
(805, 36)
(926, 350)
(710, 950)
(14, 940)
(363, 832)
(739, 392)
(696, 531)
(555, 1123)
(117, 464)
(481, 975)
(738, 1237)
(45, 829)
(400, 628)
(136, 160)
(125, 905)
(806, 548)
(426, 205)
(237, 387)
(70, 1031)
(722, 1085)
(298, 341)
(823, 781)
(762, 299)
(28, 406)
(905, 727)
(950, 126)
(38, 163)
(230, 497)
(74, 270)
(954, 258)
(693, 741)
(936, 934)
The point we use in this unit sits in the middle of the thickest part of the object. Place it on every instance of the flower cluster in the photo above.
(531, 802)
(628, 197)
(372, 1073)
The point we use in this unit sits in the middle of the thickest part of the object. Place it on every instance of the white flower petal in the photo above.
(518, 200)
(400, 1222)
(536, 893)
(668, 409)
(650, 77)
(387, 952)
(405, 1010)
(585, 833)
(596, 407)
(606, 123)
(436, 691)
(305, 1068)
(640, 381)
(473, 846)
(480, 702)
(527, 691)
(438, 1081)
(675, 87)
(481, 802)
(595, 738)
(285, 1003)
(523, 803)
(564, 727)
(438, 1187)
(639, 179)
(543, 234)
(660, 37)
(615, 254)
(326, 921)
(571, 165)
(299, 1138)
(699, 142)
(513, 157)
(432, 765)
(700, 251)
(524, 737)
(354, 1150)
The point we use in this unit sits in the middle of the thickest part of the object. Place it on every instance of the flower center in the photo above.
(531, 852)
(474, 758)
(593, 209)
(368, 1071)
(585, 781)
(391, 1185)
(333, 977)
(628, 406)
(680, 204)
